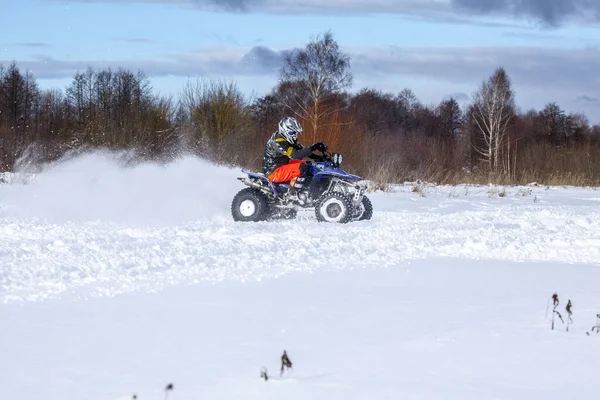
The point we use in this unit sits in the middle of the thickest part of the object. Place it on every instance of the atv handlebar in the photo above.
(326, 156)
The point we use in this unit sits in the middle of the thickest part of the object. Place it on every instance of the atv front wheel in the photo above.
(364, 210)
(249, 205)
(334, 207)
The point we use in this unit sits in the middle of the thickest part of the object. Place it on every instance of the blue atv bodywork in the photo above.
(318, 170)
(336, 195)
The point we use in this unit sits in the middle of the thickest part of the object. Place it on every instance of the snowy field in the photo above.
(117, 281)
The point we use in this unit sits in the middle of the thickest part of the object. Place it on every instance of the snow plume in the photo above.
(109, 187)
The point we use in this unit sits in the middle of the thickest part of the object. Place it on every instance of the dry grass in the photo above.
(390, 160)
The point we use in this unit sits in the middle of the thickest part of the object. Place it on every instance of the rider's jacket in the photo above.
(279, 151)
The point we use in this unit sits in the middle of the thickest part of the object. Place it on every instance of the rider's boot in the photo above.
(296, 187)
(298, 192)
(298, 183)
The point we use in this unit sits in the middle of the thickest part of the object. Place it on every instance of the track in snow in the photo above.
(459, 313)
(88, 227)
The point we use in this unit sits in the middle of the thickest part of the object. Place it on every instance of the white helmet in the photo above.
(289, 128)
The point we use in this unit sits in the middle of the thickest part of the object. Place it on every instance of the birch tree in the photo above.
(316, 74)
(493, 109)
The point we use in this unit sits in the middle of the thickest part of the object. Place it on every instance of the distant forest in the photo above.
(386, 137)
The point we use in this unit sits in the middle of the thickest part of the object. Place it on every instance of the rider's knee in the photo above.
(303, 168)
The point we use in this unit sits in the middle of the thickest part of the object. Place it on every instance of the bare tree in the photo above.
(316, 74)
(19, 99)
(580, 125)
(5, 133)
(561, 127)
(266, 110)
(76, 95)
(493, 109)
(117, 109)
(215, 109)
(373, 111)
(451, 118)
(408, 106)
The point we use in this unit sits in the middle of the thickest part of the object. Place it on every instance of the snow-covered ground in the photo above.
(117, 281)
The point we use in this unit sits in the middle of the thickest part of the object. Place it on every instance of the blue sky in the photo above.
(550, 49)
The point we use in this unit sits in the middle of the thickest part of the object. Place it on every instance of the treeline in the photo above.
(384, 136)
(114, 109)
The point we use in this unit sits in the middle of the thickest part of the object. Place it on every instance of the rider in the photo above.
(283, 158)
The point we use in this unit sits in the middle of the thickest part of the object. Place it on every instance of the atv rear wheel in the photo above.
(249, 205)
(334, 207)
(364, 210)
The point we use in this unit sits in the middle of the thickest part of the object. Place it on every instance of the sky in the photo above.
(437, 48)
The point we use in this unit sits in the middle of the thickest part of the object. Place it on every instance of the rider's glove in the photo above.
(320, 146)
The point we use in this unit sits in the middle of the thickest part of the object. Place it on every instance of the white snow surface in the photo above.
(118, 280)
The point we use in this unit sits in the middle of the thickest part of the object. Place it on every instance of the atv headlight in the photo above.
(337, 159)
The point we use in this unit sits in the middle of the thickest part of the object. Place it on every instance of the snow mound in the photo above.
(91, 227)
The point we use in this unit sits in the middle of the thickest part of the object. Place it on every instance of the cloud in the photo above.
(587, 99)
(460, 97)
(565, 69)
(134, 40)
(437, 10)
(549, 12)
(414, 7)
(264, 60)
(530, 35)
(528, 66)
(259, 60)
(231, 5)
(229, 39)
(538, 74)
(32, 44)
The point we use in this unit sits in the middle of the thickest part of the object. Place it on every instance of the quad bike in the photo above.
(336, 195)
